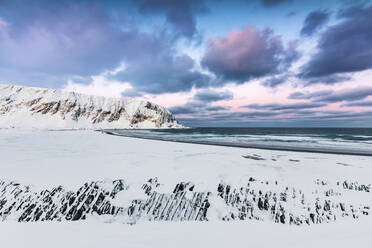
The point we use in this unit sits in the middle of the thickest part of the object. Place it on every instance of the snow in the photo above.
(72, 157)
(46, 159)
(94, 234)
(41, 108)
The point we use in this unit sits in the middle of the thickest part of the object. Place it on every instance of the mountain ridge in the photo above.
(33, 107)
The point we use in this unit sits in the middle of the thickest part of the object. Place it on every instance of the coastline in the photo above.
(251, 146)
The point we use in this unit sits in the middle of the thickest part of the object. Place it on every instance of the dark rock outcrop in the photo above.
(181, 205)
(21, 203)
(256, 201)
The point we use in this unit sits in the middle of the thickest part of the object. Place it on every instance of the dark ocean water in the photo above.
(347, 139)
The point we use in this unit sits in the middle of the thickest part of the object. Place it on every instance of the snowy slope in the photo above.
(30, 107)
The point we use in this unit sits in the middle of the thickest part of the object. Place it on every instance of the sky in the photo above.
(243, 63)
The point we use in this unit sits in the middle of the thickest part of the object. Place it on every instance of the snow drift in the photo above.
(31, 107)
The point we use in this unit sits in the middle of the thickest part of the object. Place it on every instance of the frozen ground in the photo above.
(95, 234)
(46, 159)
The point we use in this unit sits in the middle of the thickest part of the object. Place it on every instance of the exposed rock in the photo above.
(254, 157)
(256, 201)
(293, 160)
(356, 186)
(46, 108)
(21, 203)
(251, 202)
(183, 204)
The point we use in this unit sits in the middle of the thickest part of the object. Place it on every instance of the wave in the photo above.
(347, 141)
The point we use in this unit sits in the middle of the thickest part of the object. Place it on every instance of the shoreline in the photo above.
(252, 146)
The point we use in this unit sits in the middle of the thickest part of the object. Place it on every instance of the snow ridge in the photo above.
(31, 107)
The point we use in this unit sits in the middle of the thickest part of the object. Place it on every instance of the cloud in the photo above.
(343, 47)
(227, 118)
(131, 93)
(242, 115)
(293, 118)
(351, 94)
(289, 106)
(290, 14)
(55, 38)
(212, 96)
(99, 85)
(275, 81)
(250, 53)
(347, 95)
(217, 108)
(179, 14)
(358, 104)
(155, 69)
(314, 21)
(345, 115)
(307, 95)
(273, 3)
(50, 42)
(184, 109)
(329, 80)
(201, 102)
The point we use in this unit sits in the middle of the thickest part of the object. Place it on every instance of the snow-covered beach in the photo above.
(186, 124)
(73, 157)
(46, 159)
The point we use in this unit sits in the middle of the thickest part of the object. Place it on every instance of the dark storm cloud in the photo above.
(314, 21)
(52, 41)
(179, 14)
(343, 47)
(358, 104)
(289, 106)
(330, 96)
(247, 54)
(273, 3)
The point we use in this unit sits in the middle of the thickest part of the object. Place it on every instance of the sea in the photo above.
(329, 140)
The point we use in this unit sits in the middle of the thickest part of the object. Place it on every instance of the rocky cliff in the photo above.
(30, 107)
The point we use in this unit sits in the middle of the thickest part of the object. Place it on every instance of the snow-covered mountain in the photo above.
(31, 107)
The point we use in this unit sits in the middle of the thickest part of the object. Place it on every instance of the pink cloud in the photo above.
(246, 54)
